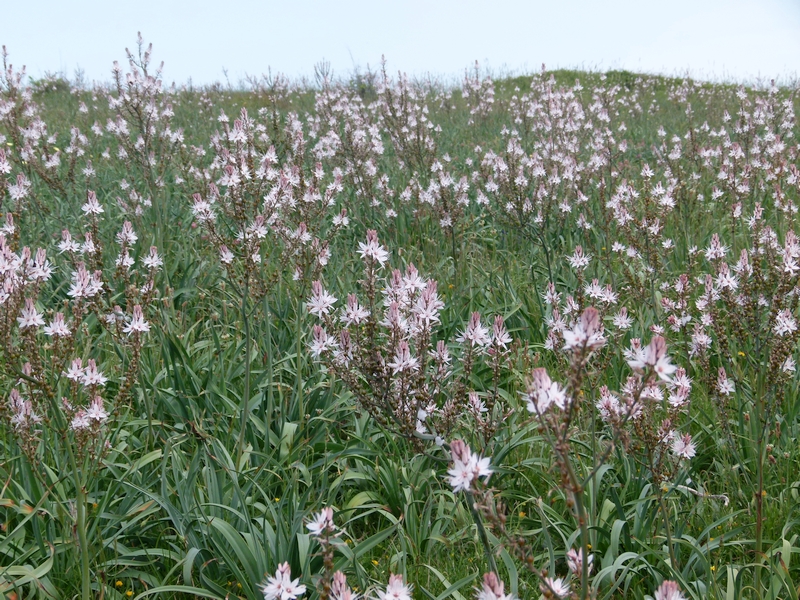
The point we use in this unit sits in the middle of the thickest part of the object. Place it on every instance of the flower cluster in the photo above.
(468, 467)
(386, 353)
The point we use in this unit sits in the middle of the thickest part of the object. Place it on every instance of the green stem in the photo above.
(80, 501)
(86, 582)
(759, 493)
(270, 400)
(577, 496)
(246, 398)
(299, 361)
(481, 531)
(673, 559)
(80, 509)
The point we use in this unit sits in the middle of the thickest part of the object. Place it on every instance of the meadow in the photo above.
(385, 338)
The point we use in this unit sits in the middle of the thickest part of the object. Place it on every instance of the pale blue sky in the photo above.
(732, 39)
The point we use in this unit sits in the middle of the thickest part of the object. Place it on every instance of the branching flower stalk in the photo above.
(58, 408)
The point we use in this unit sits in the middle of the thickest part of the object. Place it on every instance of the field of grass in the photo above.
(496, 329)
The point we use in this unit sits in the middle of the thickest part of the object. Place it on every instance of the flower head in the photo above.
(322, 522)
(321, 301)
(654, 356)
(281, 586)
(586, 333)
(557, 588)
(396, 590)
(683, 446)
(493, 589)
(475, 334)
(339, 588)
(30, 317)
(137, 323)
(91, 375)
(92, 206)
(57, 326)
(467, 466)
(669, 590)
(575, 561)
(372, 250)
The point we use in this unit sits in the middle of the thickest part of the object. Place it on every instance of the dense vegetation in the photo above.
(496, 329)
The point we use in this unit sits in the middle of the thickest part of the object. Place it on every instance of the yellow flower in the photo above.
(118, 583)
(522, 514)
(277, 499)
(740, 353)
(375, 562)
(129, 593)
(763, 493)
(713, 568)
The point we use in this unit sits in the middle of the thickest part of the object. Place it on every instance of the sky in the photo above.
(733, 40)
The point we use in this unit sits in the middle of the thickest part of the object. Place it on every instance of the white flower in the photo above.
(153, 260)
(372, 250)
(556, 587)
(493, 589)
(30, 317)
(322, 521)
(500, 335)
(655, 356)
(80, 421)
(339, 588)
(543, 392)
(403, 361)
(579, 260)
(75, 371)
(92, 206)
(67, 244)
(24, 415)
(91, 376)
(784, 323)
(622, 320)
(724, 385)
(321, 301)
(575, 561)
(137, 323)
(281, 586)
(475, 333)
(669, 590)
(97, 411)
(57, 326)
(396, 590)
(586, 333)
(466, 466)
(225, 255)
(40, 268)
(127, 235)
(353, 313)
(683, 447)
(320, 343)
